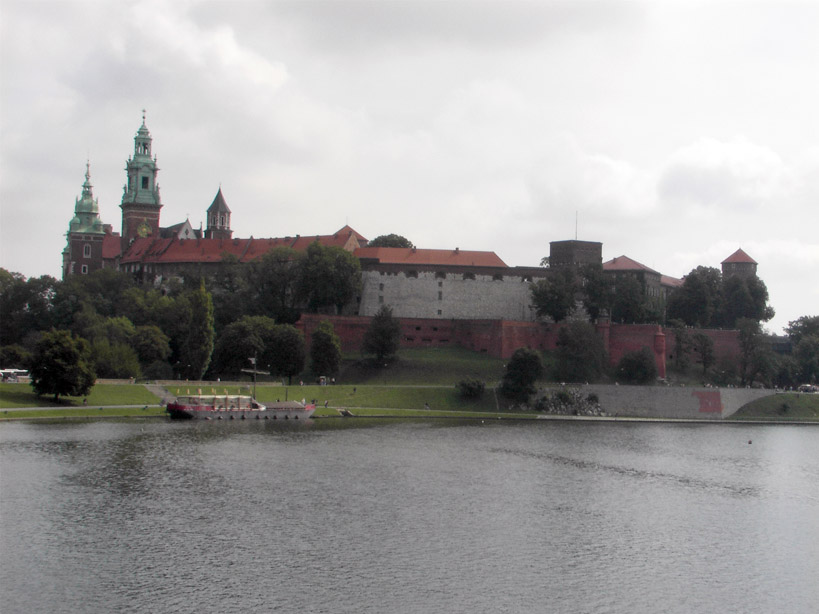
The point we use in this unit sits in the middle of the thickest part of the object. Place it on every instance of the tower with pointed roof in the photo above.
(218, 219)
(83, 252)
(739, 264)
(140, 199)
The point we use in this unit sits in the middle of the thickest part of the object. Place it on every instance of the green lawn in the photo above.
(22, 395)
(787, 406)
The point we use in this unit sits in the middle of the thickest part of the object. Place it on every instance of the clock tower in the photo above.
(140, 199)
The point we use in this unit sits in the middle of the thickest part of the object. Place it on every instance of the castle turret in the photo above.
(83, 252)
(140, 199)
(739, 264)
(218, 219)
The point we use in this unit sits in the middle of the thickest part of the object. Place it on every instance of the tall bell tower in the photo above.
(140, 199)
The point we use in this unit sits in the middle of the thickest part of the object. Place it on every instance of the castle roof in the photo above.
(219, 205)
(624, 263)
(429, 257)
(171, 250)
(739, 256)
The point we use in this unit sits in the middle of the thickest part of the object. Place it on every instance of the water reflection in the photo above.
(373, 516)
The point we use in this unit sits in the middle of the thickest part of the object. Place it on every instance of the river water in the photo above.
(386, 516)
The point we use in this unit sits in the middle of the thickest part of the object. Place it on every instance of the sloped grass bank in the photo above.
(781, 407)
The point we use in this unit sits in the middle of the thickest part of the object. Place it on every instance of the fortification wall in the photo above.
(446, 295)
(672, 401)
(500, 338)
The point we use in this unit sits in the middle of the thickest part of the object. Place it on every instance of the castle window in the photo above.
(86, 251)
(144, 183)
(497, 277)
(469, 275)
(84, 269)
(413, 274)
(440, 275)
(440, 295)
(381, 287)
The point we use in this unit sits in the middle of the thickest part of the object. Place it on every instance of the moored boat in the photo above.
(235, 407)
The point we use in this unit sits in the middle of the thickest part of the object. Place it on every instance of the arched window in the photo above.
(86, 251)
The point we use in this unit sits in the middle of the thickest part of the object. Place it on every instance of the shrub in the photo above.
(637, 367)
(470, 388)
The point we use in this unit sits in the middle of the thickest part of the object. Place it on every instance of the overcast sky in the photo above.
(672, 132)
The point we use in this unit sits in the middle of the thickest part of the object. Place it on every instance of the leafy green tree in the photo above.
(638, 367)
(629, 301)
(61, 365)
(806, 355)
(554, 296)
(198, 345)
(289, 351)
(522, 371)
(382, 335)
(274, 282)
(698, 299)
(151, 344)
(248, 337)
(325, 350)
(26, 305)
(743, 297)
(703, 347)
(682, 345)
(580, 353)
(14, 356)
(114, 360)
(330, 278)
(755, 355)
(470, 388)
(598, 291)
(390, 240)
(802, 327)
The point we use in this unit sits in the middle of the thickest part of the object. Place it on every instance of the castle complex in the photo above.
(418, 284)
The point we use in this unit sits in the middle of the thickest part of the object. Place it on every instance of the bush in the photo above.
(637, 367)
(470, 388)
(522, 371)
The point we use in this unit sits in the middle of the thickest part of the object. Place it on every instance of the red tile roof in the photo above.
(739, 256)
(172, 250)
(429, 257)
(624, 263)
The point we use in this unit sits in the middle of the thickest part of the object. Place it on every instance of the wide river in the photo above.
(354, 515)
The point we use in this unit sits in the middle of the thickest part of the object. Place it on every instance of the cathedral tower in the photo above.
(86, 232)
(218, 219)
(140, 199)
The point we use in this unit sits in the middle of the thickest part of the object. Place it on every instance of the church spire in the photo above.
(140, 199)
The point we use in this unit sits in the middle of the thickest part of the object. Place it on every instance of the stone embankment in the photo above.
(672, 402)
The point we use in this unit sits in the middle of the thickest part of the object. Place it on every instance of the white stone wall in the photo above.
(447, 296)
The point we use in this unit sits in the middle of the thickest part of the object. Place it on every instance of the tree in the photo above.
(14, 356)
(151, 344)
(802, 327)
(26, 305)
(755, 355)
(382, 335)
(629, 301)
(703, 347)
(580, 353)
(598, 291)
(288, 352)
(744, 297)
(470, 388)
(198, 345)
(638, 367)
(682, 344)
(325, 350)
(275, 281)
(330, 277)
(61, 365)
(522, 371)
(554, 296)
(114, 360)
(390, 240)
(698, 299)
(248, 337)
(806, 355)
